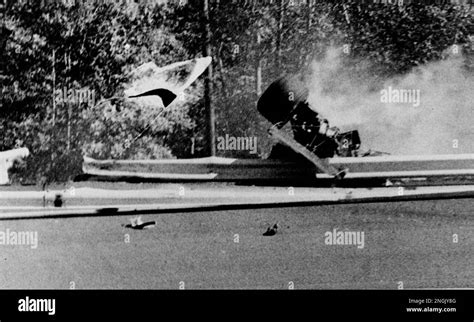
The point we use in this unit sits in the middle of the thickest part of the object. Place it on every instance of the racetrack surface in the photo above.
(409, 242)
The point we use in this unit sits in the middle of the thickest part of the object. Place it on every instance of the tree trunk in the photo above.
(309, 38)
(258, 65)
(281, 14)
(208, 82)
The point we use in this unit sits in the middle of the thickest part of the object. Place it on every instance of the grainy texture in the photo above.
(410, 242)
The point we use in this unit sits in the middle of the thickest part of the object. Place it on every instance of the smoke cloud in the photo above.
(441, 122)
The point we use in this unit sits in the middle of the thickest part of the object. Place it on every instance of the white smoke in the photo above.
(441, 124)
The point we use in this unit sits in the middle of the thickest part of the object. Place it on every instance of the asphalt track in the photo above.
(409, 242)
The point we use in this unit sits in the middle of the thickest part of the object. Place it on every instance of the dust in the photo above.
(351, 98)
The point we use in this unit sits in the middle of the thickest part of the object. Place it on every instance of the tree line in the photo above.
(90, 47)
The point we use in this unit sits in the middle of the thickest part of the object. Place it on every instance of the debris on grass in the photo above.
(272, 230)
(138, 223)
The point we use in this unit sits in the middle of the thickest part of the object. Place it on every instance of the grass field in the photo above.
(409, 242)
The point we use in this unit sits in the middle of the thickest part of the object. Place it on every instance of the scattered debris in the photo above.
(349, 193)
(58, 201)
(137, 223)
(272, 230)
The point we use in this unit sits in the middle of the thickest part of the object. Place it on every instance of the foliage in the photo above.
(104, 41)
(97, 54)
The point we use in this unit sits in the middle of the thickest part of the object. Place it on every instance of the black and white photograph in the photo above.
(274, 145)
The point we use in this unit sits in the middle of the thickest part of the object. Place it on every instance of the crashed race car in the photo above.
(286, 100)
(314, 150)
